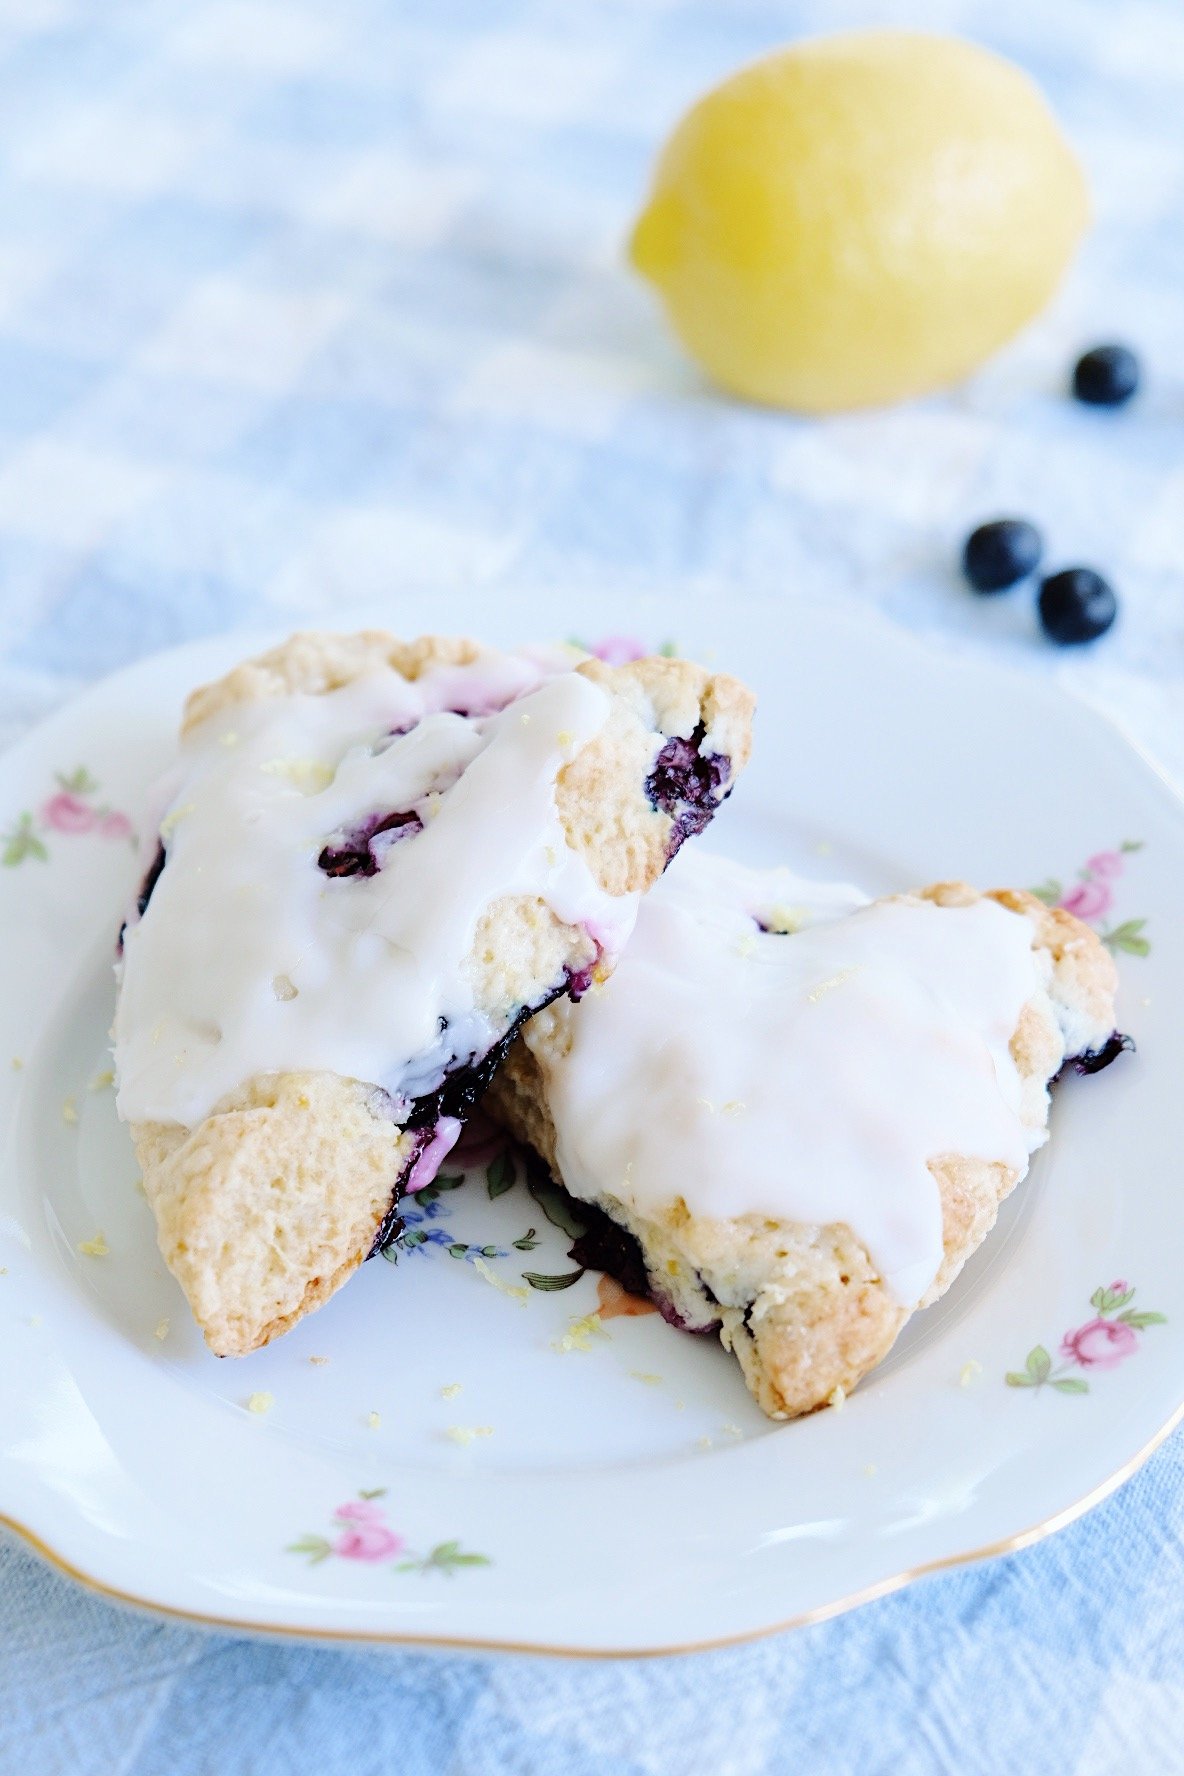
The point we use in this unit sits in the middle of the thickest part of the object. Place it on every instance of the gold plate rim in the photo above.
(1024, 1538)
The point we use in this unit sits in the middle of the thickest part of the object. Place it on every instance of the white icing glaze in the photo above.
(250, 959)
(807, 1078)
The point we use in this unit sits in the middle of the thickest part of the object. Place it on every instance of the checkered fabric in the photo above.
(306, 303)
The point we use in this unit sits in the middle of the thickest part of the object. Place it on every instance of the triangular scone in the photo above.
(794, 1113)
(376, 860)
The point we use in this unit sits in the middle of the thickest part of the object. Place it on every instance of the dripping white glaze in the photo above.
(805, 1077)
(251, 959)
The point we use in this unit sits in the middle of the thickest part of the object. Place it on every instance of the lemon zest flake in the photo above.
(969, 1372)
(642, 1375)
(465, 1434)
(451, 1391)
(260, 1403)
(516, 1291)
(161, 1330)
(581, 1330)
(174, 817)
(102, 1080)
(69, 1112)
(373, 1419)
(94, 1248)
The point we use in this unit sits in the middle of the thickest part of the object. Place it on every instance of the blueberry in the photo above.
(1076, 604)
(998, 554)
(1106, 376)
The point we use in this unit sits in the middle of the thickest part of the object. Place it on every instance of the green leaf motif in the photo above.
(458, 1250)
(1132, 844)
(79, 782)
(556, 1206)
(669, 650)
(1070, 1385)
(1039, 1363)
(1049, 891)
(22, 842)
(373, 1492)
(1140, 1321)
(445, 1557)
(1128, 938)
(528, 1241)
(538, 1281)
(1106, 1300)
(500, 1174)
(431, 1191)
(1018, 1381)
(316, 1547)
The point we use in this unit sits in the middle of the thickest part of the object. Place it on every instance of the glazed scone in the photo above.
(794, 1112)
(376, 859)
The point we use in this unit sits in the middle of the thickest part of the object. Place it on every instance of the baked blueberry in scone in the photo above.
(797, 1111)
(377, 859)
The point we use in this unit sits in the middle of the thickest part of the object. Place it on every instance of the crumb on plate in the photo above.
(516, 1291)
(468, 1433)
(69, 1111)
(94, 1248)
(451, 1391)
(260, 1403)
(162, 1329)
(580, 1333)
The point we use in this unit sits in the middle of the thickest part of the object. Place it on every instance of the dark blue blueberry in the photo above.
(357, 854)
(1076, 605)
(1107, 376)
(998, 554)
(1094, 1059)
(688, 785)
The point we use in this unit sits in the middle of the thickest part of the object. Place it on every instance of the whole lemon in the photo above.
(860, 218)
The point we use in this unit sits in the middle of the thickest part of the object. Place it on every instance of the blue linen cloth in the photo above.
(301, 303)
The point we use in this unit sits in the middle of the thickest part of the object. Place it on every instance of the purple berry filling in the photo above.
(151, 878)
(358, 854)
(1094, 1059)
(458, 1096)
(688, 785)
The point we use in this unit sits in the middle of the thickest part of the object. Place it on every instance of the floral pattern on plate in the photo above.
(1101, 1343)
(70, 811)
(362, 1533)
(1092, 897)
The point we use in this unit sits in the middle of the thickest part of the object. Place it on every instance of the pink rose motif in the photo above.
(1100, 1344)
(1106, 864)
(1120, 1287)
(1089, 900)
(359, 1511)
(618, 650)
(368, 1541)
(67, 813)
(115, 826)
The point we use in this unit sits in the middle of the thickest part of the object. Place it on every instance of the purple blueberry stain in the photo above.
(1094, 1059)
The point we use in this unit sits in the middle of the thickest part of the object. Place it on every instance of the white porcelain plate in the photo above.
(434, 1466)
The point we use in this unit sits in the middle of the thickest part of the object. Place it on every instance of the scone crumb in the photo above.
(161, 1330)
(318, 1362)
(260, 1403)
(451, 1391)
(102, 1080)
(284, 988)
(468, 1433)
(968, 1372)
(69, 1112)
(94, 1248)
(516, 1291)
(565, 737)
(651, 1381)
(373, 1419)
(837, 1398)
(731, 1430)
(580, 1333)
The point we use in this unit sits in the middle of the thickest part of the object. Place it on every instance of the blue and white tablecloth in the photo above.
(304, 303)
